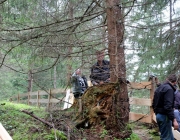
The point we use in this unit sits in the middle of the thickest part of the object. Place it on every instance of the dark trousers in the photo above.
(165, 127)
(77, 94)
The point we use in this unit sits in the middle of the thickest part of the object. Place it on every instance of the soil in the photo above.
(143, 134)
(144, 131)
(147, 131)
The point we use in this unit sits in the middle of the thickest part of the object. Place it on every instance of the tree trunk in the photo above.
(55, 77)
(115, 23)
(30, 81)
(69, 67)
(170, 21)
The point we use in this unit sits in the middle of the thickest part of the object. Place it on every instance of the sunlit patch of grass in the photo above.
(18, 107)
(20, 125)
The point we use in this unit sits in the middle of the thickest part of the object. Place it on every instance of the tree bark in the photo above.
(55, 77)
(69, 67)
(115, 23)
(170, 21)
(37, 118)
(30, 80)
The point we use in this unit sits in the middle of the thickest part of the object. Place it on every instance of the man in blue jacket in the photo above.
(163, 106)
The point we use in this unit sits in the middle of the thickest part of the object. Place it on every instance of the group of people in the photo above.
(166, 105)
(100, 73)
(166, 101)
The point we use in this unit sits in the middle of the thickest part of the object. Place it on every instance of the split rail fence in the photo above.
(66, 99)
(147, 118)
(46, 99)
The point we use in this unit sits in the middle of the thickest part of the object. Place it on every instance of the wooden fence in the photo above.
(67, 98)
(46, 98)
(147, 118)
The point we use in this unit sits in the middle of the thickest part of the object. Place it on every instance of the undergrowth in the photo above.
(21, 126)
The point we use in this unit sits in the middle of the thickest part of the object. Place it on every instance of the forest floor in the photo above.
(140, 131)
(146, 133)
(23, 127)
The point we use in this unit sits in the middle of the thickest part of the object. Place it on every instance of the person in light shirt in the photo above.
(79, 83)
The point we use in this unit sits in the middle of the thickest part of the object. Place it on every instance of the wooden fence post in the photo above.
(152, 96)
(38, 99)
(18, 98)
(29, 97)
(49, 99)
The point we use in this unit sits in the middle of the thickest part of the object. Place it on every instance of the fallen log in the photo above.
(37, 118)
(67, 128)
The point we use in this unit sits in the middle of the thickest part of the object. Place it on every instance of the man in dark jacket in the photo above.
(163, 105)
(177, 107)
(100, 71)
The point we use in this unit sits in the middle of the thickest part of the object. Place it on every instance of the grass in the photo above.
(21, 126)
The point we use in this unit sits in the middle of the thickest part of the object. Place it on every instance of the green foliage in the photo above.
(155, 133)
(37, 35)
(59, 135)
(133, 137)
(20, 125)
(103, 133)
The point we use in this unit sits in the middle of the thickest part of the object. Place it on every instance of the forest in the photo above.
(44, 41)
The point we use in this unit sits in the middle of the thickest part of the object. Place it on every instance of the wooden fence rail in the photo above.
(47, 98)
(147, 118)
(66, 97)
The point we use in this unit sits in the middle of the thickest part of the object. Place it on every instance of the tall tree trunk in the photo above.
(170, 21)
(115, 23)
(162, 48)
(69, 67)
(55, 77)
(30, 80)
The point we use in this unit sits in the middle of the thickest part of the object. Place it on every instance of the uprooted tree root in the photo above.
(96, 105)
(97, 112)
(97, 119)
